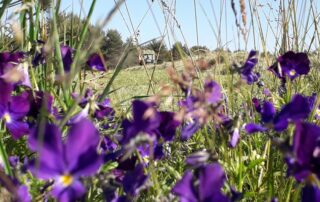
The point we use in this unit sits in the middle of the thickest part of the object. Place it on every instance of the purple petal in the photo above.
(84, 113)
(197, 158)
(23, 194)
(297, 109)
(306, 138)
(234, 138)
(6, 90)
(294, 64)
(213, 92)
(310, 193)
(189, 129)
(254, 128)
(267, 112)
(212, 178)
(17, 128)
(66, 54)
(19, 105)
(168, 125)
(134, 180)
(95, 62)
(82, 137)
(88, 163)
(104, 112)
(145, 117)
(70, 193)
(48, 143)
(185, 189)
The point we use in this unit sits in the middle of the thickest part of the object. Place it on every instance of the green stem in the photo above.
(4, 156)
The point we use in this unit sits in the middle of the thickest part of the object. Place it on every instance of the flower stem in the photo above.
(4, 157)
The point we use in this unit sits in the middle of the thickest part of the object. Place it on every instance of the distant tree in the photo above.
(159, 48)
(132, 58)
(112, 47)
(198, 50)
(178, 51)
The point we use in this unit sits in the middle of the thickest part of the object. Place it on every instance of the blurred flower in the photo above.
(20, 192)
(297, 109)
(95, 62)
(310, 193)
(146, 119)
(40, 100)
(211, 180)
(246, 70)
(66, 54)
(199, 107)
(66, 162)
(134, 180)
(292, 65)
(13, 109)
(198, 158)
(304, 162)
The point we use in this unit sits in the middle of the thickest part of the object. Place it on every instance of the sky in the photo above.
(215, 21)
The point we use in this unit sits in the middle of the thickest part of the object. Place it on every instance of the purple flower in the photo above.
(10, 60)
(66, 54)
(212, 92)
(40, 100)
(297, 109)
(189, 129)
(95, 62)
(134, 180)
(146, 119)
(66, 162)
(246, 71)
(13, 109)
(198, 158)
(104, 110)
(310, 193)
(211, 180)
(13, 69)
(168, 126)
(235, 136)
(305, 159)
(267, 113)
(292, 65)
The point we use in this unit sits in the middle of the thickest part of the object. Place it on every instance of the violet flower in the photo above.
(66, 54)
(146, 119)
(310, 193)
(95, 62)
(66, 161)
(246, 70)
(13, 109)
(292, 65)
(134, 180)
(305, 160)
(199, 106)
(13, 69)
(211, 180)
(297, 109)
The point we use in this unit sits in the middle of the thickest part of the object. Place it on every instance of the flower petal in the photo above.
(185, 189)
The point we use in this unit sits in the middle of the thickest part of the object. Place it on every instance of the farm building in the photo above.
(149, 57)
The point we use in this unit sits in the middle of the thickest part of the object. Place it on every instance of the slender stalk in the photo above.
(4, 155)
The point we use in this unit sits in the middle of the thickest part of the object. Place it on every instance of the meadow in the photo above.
(214, 126)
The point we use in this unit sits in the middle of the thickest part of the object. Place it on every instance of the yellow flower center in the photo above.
(7, 118)
(66, 180)
(292, 72)
(318, 112)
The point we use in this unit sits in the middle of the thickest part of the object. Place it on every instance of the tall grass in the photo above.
(255, 167)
